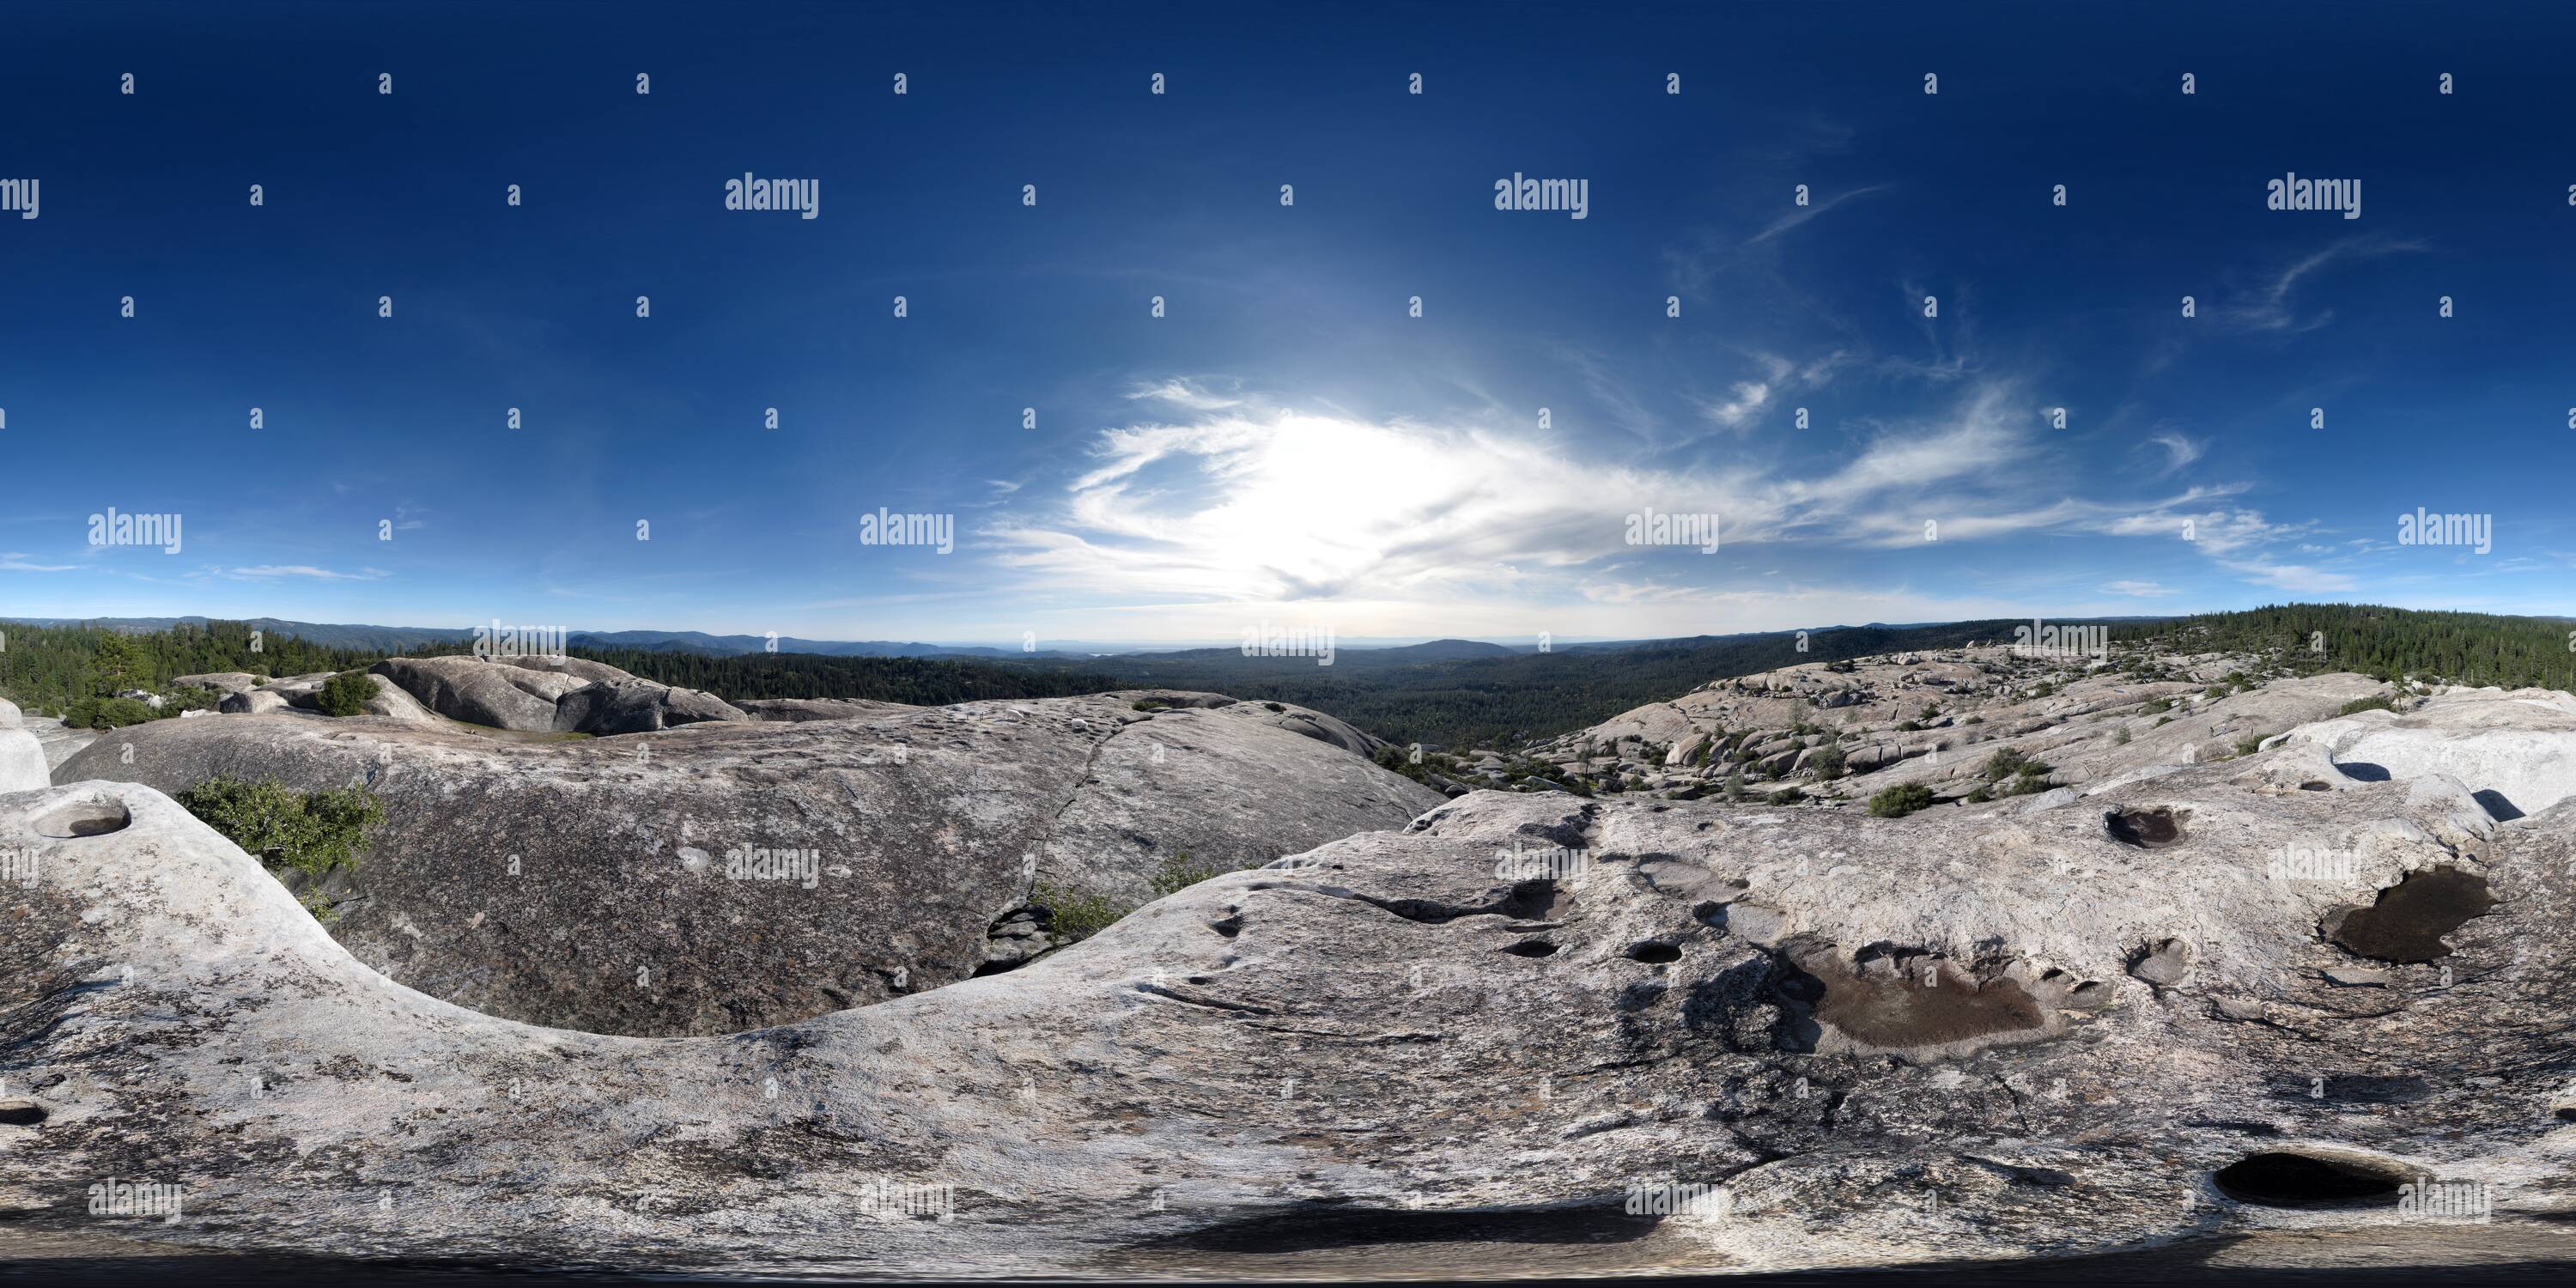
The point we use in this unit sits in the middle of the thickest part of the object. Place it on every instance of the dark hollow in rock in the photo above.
(1532, 948)
(2362, 771)
(2496, 806)
(2285, 1180)
(1653, 950)
(2313, 785)
(22, 1113)
(2408, 921)
(85, 818)
(1321, 1227)
(1894, 1010)
(2148, 829)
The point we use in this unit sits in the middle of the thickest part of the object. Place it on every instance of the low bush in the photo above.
(1897, 802)
(345, 694)
(286, 830)
(1073, 917)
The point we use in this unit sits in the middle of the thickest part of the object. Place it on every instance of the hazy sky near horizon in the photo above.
(1287, 443)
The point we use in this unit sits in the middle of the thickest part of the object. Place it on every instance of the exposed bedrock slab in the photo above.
(729, 875)
(1516, 1011)
(2516, 750)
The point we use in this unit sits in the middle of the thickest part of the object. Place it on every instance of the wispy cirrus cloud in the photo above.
(2270, 307)
(270, 572)
(17, 561)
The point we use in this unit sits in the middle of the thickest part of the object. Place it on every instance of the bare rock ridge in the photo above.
(726, 874)
(1959, 723)
(2098, 1017)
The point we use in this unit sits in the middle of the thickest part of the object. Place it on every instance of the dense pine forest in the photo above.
(2457, 648)
(46, 669)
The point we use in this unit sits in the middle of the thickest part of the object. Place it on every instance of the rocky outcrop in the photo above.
(251, 702)
(219, 681)
(799, 710)
(494, 695)
(9, 715)
(549, 695)
(2517, 749)
(1623, 1036)
(637, 707)
(61, 742)
(728, 875)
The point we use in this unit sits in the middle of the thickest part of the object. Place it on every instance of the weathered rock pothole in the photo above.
(21, 1113)
(2147, 829)
(84, 818)
(2410, 918)
(1653, 951)
(1896, 1001)
(2282, 1179)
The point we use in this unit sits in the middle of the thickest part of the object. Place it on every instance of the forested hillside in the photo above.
(2458, 648)
(48, 668)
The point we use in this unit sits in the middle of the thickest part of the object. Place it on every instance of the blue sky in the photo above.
(1287, 443)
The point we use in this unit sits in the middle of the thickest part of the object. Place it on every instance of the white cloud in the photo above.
(1188, 393)
(2269, 308)
(16, 561)
(265, 572)
(2179, 450)
(2142, 589)
(1801, 214)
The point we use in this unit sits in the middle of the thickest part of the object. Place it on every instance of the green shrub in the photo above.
(2121, 737)
(1181, 873)
(2159, 705)
(345, 694)
(108, 713)
(1075, 917)
(1787, 796)
(1897, 802)
(2248, 746)
(1148, 704)
(1828, 762)
(1979, 796)
(288, 830)
(2376, 702)
(1395, 759)
(2004, 763)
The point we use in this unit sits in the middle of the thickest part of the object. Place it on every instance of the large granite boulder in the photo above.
(22, 761)
(637, 706)
(9, 715)
(727, 875)
(475, 691)
(1622, 1037)
(544, 694)
(252, 702)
